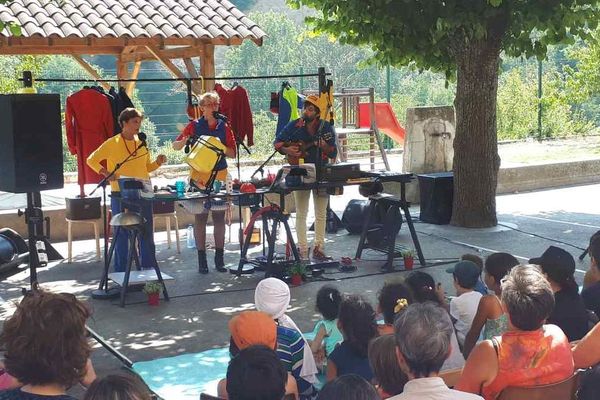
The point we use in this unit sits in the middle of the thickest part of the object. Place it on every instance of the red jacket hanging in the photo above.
(236, 106)
(88, 123)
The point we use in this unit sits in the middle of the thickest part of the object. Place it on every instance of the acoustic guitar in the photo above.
(304, 147)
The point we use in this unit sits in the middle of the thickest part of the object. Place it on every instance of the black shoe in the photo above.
(202, 263)
(219, 263)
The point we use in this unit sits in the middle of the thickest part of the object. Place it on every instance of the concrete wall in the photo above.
(534, 177)
(428, 144)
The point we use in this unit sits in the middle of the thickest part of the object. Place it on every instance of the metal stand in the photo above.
(277, 216)
(34, 218)
(390, 247)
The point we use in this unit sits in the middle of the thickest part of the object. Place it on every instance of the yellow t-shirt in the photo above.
(115, 150)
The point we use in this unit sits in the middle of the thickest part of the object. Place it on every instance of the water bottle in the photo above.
(229, 184)
(191, 243)
(42, 255)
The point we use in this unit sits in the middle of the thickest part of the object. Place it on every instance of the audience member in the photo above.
(529, 353)
(256, 373)
(569, 312)
(348, 387)
(480, 286)
(591, 294)
(423, 288)
(118, 387)
(272, 296)
(251, 328)
(356, 321)
(423, 332)
(392, 297)
(464, 307)
(389, 378)
(589, 384)
(590, 278)
(326, 333)
(490, 315)
(46, 347)
(586, 352)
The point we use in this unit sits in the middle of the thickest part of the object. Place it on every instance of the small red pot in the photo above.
(296, 280)
(408, 262)
(153, 299)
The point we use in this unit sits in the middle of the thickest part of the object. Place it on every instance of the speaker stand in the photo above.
(34, 218)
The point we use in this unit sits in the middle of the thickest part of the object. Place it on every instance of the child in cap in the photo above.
(480, 285)
(464, 307)
(569, 313)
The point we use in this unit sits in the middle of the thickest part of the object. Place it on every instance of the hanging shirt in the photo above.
(236, 106)
(289, 105)
(115, 150)
(88, 123)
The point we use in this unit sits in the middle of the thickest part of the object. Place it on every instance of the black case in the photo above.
(83, 208)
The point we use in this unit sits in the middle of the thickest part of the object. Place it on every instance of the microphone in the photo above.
(220, 116)
(142, 136)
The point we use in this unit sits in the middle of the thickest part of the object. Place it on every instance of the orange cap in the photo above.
(253, 327)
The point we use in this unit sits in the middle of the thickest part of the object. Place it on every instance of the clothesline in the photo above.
(180, 79)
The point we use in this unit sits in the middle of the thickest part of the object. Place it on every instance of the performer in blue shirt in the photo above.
(306, 138)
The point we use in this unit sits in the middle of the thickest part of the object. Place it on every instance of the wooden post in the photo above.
(207, 66)
(134, 74)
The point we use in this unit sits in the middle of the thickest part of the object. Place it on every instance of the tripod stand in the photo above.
(34, 218)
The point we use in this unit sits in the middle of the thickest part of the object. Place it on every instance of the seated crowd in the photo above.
(521, 326)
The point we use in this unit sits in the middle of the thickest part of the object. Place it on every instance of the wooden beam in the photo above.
(88, 68)
(166, 62)
(134, 74)
(122, 69)
(207, 66)
(197, 86)
(142, 54)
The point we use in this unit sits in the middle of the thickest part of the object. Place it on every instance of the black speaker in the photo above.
(30, 143)
(436, 193)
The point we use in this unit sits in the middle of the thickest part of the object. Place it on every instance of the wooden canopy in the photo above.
(132, 30)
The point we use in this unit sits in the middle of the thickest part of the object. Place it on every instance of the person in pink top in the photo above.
(529, 353)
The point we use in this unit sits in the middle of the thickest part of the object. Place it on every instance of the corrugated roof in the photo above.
(198, 19)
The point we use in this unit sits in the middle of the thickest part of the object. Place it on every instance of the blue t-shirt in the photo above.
(296, 131)
(333, 337)
(347, 361)
(18, 394)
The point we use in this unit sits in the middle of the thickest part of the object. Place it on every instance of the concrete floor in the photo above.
(196, 317)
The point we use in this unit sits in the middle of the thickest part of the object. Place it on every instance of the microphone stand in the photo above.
(103, 291)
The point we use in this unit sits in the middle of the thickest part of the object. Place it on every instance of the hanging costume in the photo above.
(236, 106)
(88, 123)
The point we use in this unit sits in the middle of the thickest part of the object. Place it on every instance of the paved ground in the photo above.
(196, 317)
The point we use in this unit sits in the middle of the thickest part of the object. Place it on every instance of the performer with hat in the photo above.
(312, 139)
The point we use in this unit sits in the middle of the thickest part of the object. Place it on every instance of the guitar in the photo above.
(304, 147)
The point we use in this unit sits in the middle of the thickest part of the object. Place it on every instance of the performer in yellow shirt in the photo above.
(114, 151)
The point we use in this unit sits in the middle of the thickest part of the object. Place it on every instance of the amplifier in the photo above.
(341, 172)
(82, 208)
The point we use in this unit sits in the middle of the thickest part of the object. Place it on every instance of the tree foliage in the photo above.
(430, 33)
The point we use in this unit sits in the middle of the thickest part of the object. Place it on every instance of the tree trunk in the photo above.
(476, 159)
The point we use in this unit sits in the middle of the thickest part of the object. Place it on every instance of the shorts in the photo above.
(200, 206)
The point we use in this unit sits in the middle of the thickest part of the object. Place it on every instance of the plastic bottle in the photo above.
(191, 243)
(42, 255)
(229, 184)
